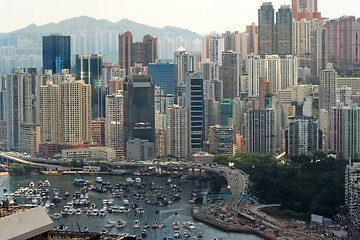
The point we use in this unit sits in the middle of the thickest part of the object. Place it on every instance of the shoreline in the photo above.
(197, 215)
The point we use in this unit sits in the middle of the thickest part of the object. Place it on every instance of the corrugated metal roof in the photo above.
(24, 225)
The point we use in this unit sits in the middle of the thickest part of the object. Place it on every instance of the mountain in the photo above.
(34, 32)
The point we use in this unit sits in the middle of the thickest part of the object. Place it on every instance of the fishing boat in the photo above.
(136, 224)
(98, 179)
(120, 224)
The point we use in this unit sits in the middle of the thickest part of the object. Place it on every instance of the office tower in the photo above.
(115, 123)
(319, 52)
(49, 113)
(301, 37)
(266, 30)
(213, 46)
(195, 108)
(231, 41)
(56, 53)
(19, 107)
(260, 131)
(283, 37)
(252, 39)
(75, 111)
(177, 132)
(144, 52)
(139, 114)
(226, 112)
(327, 88)
(230, 74)
(344, 131)
(213, 89)
(280, 72)
(163, 74)
(305, 9)
(302, 136)
(138, 68)
(221, 140)
(265, 94)
(89, 69)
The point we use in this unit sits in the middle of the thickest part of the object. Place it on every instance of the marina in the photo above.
(147, 206)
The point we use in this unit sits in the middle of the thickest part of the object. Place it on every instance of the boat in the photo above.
(169, 181)
(143, 233)
(84, 229)
(109, 224)
(31, 184)
(120, 224)
(98, 179)
(177, 234)
(136, 224)
(189, 225)
(154, 225)
(176, 226)
(187, 234)
(57, 215)
(129, 180)
(104, 231)
(51, 173)
(80, 182)
(199, 235)
(126, 202)
(46, 183)
(62, 228)
(138, 180)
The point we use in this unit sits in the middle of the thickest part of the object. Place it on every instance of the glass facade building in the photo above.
(56, 53)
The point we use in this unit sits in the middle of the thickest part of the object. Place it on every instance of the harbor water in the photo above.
(178, 211)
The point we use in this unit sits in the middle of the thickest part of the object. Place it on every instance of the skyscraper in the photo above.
(266, 31)
(230, 74)
(213, 46)
(144, 52)
(139, 115)
(177, 132)
(89, 69)
(18, 105)
(327, 88)
(305, 9)
(283, 36)
(115, 124)
(75, 111)
(164, 75)
(196, 111)
(56, 53)
(260, 131)
(49, 113)
(302, 136)
(345, 131)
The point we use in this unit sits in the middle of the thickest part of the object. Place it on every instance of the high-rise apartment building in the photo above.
(75, 111)
(185, 62)
(260, 131)
(115, 124)
(213, 46)
(230, 74)
(19, 108)
(280, 72)
(266, 30)
(352, 192)
(302, 136)
(49, 113)
(305, 9)
(301, 36)
(232, 41)
(252, 36)
(319, 51)
(345, 131)
(196, 111)
(89, 69)
(327, 88)
(144, 52)
(221, 140)
(56, 53)
(283, 31)
(139, 114)
(177, 132)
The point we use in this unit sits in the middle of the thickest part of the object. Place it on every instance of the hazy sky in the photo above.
(201, 16)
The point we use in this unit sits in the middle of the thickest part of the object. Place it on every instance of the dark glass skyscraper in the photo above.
(164, 75)
(139, 114)
(266, 30)
(89, 69)
(284, 31)
(56, 53)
